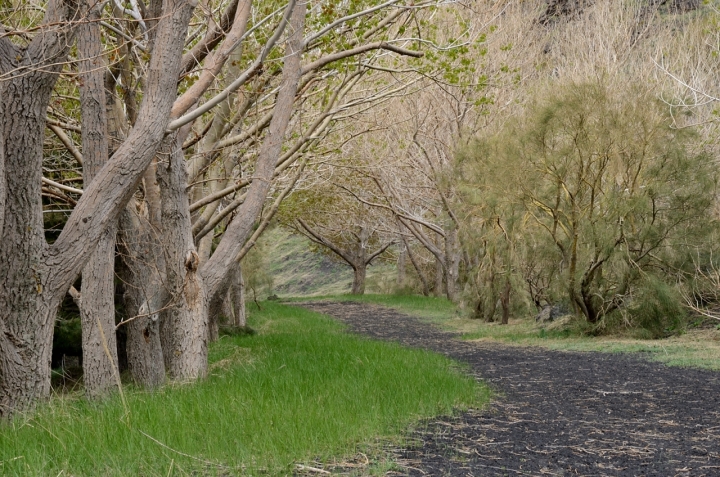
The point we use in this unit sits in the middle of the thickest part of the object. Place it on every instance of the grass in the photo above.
(300, 389)
(697, 348)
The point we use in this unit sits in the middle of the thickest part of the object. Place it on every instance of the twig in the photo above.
(182, 453)
(311, 469)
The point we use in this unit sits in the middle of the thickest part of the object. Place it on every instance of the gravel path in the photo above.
(557, 413)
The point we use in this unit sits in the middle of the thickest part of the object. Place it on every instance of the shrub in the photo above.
(657, 308)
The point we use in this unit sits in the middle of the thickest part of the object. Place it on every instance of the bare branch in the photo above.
(241, 80)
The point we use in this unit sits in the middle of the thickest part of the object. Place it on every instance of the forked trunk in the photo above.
(28, 300)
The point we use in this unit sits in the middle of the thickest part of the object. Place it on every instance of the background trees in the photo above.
(603, 177)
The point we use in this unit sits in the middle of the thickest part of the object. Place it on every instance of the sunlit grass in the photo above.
(299, 389)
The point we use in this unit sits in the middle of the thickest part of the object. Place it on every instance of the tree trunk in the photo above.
(359, 272)
(26, 353)
(421, 275)
(505, 301)
(36, 275)
(234, 303)
(185, 321)
(27, 301)
(401, 264)
(215, 272)
(439, 273)
(452, 265)
(97, 305)
(143, 298)
(97, 314)
(238, 301)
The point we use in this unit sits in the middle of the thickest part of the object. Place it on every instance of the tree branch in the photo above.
(67, 142)
(241, 80)
(210, 71)
(379, 252)
(326, 243)
(378, 45)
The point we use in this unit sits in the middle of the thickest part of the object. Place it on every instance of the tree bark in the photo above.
(234, 302)
(36, 275)
(359, 273)
(452, 265)
(144, 296)
(439, 275)
(185, 320)
(401, 263)
(238, 299)
(27, 300)
(505, 301)
(97, 305)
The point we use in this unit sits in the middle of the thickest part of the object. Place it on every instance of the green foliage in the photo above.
(297, 390)
(657, 308)
(588, 189)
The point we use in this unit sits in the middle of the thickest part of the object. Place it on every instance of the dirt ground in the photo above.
(556, 413)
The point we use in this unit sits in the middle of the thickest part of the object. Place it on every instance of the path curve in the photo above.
(557, 413)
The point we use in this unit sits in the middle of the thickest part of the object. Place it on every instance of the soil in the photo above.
(556, 413)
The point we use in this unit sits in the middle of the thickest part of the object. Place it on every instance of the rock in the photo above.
(550, 312)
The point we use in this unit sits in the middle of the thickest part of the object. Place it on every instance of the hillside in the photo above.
(297, 270)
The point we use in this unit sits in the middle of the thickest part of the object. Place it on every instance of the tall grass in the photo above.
(297, 390)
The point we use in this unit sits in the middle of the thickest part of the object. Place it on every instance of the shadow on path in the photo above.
(557, 413)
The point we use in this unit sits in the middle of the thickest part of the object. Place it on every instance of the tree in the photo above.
(35, 274)
(606, 179)
(170, 291)
(333, 218)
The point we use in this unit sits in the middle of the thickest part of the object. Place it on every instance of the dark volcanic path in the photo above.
(558, 413)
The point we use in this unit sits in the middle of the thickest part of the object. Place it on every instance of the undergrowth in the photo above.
(299, 389)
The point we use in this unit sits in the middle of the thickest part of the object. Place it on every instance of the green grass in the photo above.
(299, 389)
(695, 348)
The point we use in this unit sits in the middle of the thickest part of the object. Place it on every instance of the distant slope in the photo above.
(298, 271)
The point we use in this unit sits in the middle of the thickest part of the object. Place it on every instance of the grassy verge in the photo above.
(698, 348)
(299, 389)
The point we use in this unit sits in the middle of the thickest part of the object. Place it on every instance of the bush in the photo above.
(657, 309)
